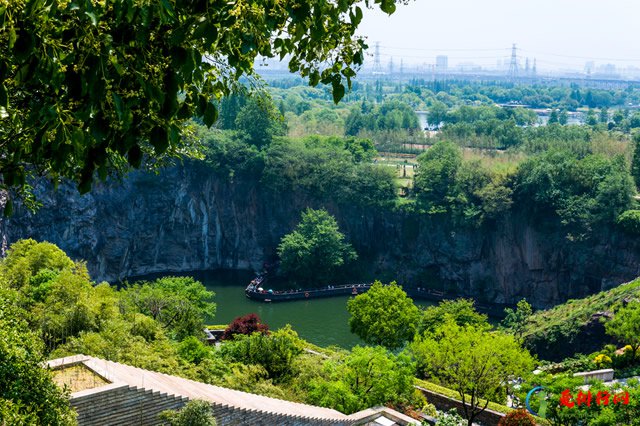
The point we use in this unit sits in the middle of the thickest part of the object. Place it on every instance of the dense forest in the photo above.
(485, 161)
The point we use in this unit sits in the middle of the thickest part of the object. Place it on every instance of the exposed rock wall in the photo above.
(187, 219)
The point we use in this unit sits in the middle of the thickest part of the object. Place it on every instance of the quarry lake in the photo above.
(323, 322)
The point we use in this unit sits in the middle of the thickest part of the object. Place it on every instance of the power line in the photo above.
(445, 50)
(588, 58)
(450, 57)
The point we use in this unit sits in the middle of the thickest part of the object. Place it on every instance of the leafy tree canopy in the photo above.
(28, 394)
(27, 258)
(461, 311)
(180, 304)
(255, 118)
(327, 168)
(90, 87)
(367, 377)
(314, 251)
(581, 191)
(435, 181)
(384, 315)
(474, 362)
(517, 319)
(275, 352)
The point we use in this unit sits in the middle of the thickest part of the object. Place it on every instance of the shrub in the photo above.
(630, 221)
(602, 361)
(193, 350)
(247, 324)
(518, 418)
(275, 352)
(450, 418)
(195, 413)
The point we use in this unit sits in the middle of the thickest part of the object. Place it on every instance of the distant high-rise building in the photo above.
(607, 70)
(589, 67)
(526, 67)
(391, 65)
(442, 63)
(534, 70)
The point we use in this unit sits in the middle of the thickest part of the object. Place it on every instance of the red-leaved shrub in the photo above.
(520, 417)
(247, 324)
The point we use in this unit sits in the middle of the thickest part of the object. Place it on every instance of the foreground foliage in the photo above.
(157, 326)
(28, 394)
(363, 379)
(86, 86)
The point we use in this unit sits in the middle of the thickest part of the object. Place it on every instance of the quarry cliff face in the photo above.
(187, 218)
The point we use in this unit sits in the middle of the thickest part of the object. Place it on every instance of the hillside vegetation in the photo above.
(575, 326)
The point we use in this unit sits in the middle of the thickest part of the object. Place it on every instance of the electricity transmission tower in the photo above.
(513, 65)
(377, 67)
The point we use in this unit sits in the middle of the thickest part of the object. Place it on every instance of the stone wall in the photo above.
(443, 403)
(119, 404)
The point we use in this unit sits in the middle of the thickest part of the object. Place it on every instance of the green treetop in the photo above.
(367, 377)
(517, 319)
(194, 413)
(436, 177)
(384, 315)
(474, 362)
(461, 311)
(314, 251)
(28, 395)
(180, 304)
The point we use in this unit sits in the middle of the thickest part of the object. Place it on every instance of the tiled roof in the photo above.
(121, 374)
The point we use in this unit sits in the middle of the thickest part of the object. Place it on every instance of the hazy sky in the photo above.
(559, 33)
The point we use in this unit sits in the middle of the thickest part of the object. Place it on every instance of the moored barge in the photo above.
(255, 291)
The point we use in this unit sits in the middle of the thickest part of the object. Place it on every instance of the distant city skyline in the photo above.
(560, 35)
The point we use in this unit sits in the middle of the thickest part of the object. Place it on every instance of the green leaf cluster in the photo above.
(460, 311)
(473, 361)
(275, 352)
(384, 315)
(368, 376)
(194, 413)
(90, 88)
(179, 304)
(28, 394)
(315, 250)
(582, 192)
(465, 190)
